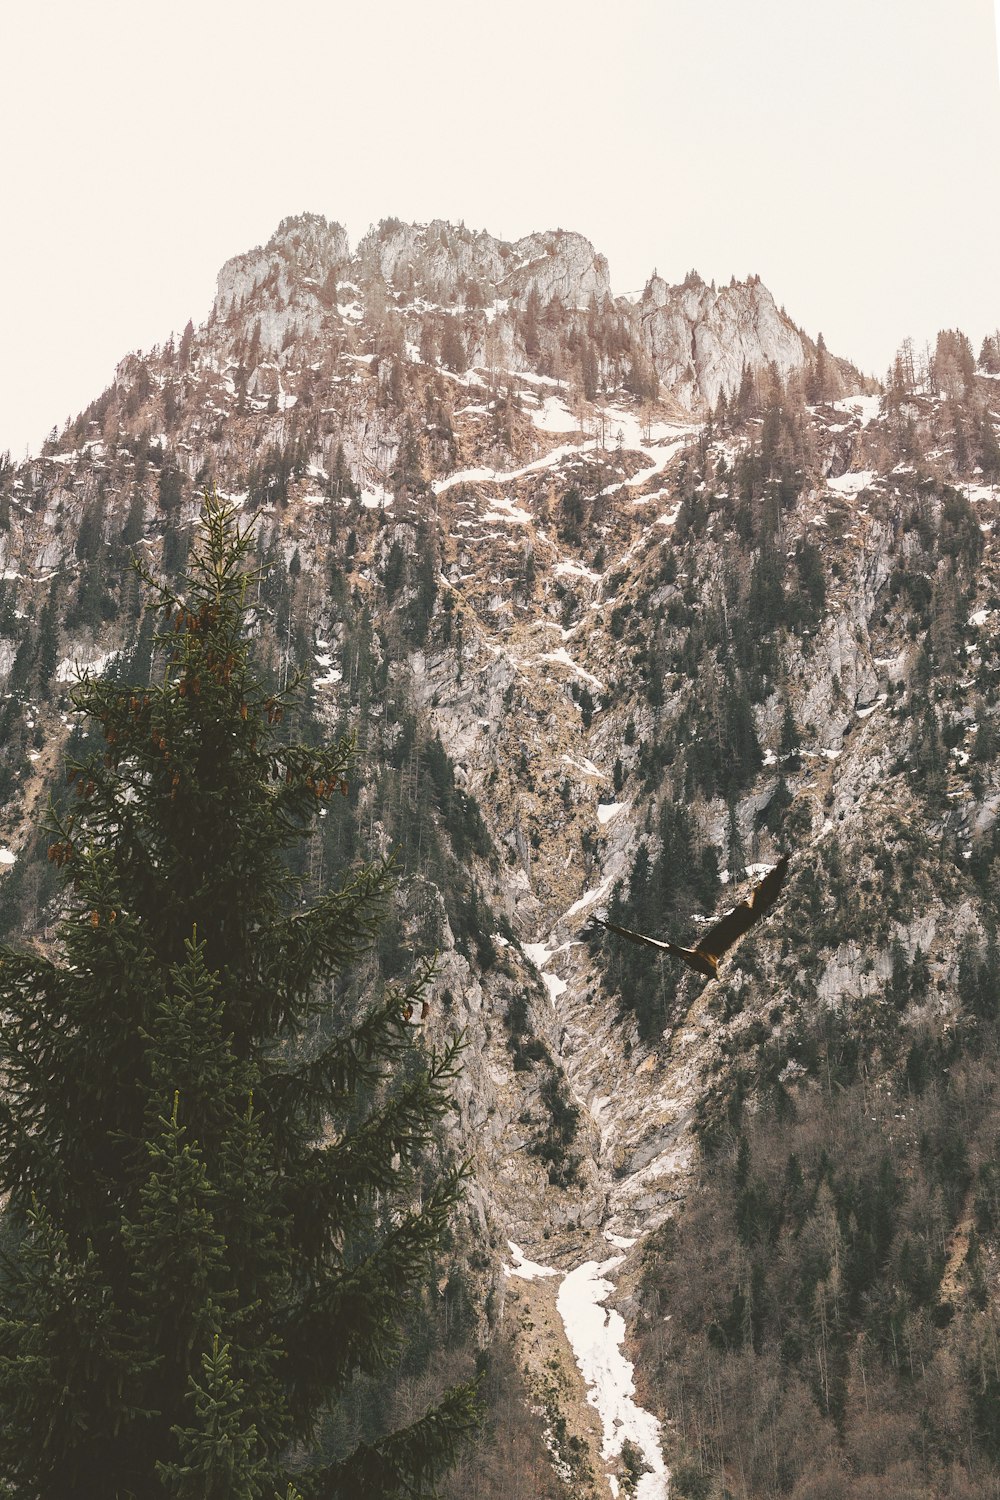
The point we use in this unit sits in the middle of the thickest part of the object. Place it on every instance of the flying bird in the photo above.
(722, 934)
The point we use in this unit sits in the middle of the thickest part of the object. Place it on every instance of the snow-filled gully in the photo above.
(595, 1334)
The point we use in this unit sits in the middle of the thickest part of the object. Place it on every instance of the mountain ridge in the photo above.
(696, 338)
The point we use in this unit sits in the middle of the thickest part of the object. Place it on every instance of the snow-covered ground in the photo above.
(528, 1270)
(851, 484)
(865, 407)
(555, 416)
(506, 476)
(71, 668)
(539, 955)
(376, 499)
(555, 986)
(502, 509)
(591, 898)
(751, 872)
(596, 1333)
(562, 658)
(657, 441)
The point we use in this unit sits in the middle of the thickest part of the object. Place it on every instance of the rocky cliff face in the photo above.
(301, 253)
(566, 602)
(700, 340)
(442, 263)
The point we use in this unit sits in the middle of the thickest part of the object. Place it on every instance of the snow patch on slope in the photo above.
(528, 1270)
(867, 408)
(596, 1335)
(851, 484)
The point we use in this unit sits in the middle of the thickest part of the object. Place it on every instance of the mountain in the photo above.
(622, 598)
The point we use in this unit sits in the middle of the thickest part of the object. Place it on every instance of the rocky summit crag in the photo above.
(621, 598)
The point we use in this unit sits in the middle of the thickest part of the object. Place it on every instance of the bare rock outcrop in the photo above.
(701, 339)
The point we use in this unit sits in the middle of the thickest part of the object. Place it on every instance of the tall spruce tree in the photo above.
(209, 1226)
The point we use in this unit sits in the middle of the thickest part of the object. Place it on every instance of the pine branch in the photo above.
(350, 1324)
(313, 945)
(371, 1158)
(334, 1074)
(407, 1464)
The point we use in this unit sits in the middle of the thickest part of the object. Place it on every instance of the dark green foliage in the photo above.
(339, 484)
(392, 576)
(407, 476)
(553, 1148)
(132, 531)
(460, 810)
(268, 482)
(810, 593)
(8, 613)
(170, 487)
(453, 352)
(979, 979)
(525, 1048)
(93, 602)
(173, 559)
(723, 752)
(192, 1279)
(48, 641)
(571, 516)
(420, 609)
(929, 757)
(661, 897)
(959, 536)
(530, 320)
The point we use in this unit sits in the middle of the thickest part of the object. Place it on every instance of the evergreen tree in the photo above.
(407, 474)
(171, 486)
(453, 352)
(819, 374)
(184, 351)
(210, 1224)
(530, 321)
(989, 355)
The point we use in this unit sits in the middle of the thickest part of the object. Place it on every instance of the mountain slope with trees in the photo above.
(607, 632)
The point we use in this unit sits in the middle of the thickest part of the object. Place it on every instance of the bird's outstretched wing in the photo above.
(633, 937)
(691, 956)
(721, 936)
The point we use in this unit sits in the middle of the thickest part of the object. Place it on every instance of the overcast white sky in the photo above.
(847, 152)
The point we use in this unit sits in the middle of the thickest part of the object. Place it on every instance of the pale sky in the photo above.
(847, 152)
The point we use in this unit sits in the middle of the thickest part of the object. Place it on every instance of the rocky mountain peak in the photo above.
(438, 261)
(302, 252)
(693, 339)
(443, 262)
(559, 264)
(700, 338)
